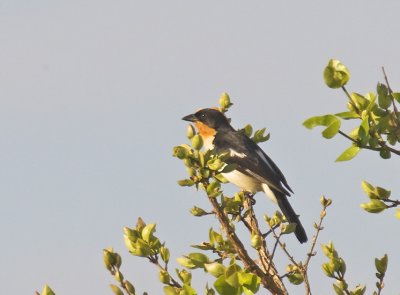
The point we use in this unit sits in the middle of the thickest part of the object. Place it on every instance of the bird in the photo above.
(255, 171)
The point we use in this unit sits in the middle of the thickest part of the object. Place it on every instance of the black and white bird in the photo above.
(255, 171)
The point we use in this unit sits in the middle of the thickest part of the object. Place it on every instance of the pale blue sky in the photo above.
(92, 93)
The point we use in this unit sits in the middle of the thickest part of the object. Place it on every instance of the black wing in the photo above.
(251, 160)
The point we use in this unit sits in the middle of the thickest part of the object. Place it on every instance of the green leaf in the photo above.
(250, 282)
(248, 130)
(348, 115)
(382, 193)
(259, 136)
(196, 211)
(232, 276)
(348, 154)
(328, 269)
(214, 189)
(360, 101)
(363, 131)
(198, 259)
(369, 189)
(396, 96)
(186, 182)
(184, 276)
(295, 278)
(215, 269)
(336, 74)
(381, 264)
(186, 262)
(338, 290)
(330, 121)
(147, 232)
(374, 206)
(288, 228)
(384, 99)
(187, 290)
(165, 255)
(223, 288)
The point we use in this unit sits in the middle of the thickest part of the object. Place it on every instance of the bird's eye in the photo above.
(203, 115)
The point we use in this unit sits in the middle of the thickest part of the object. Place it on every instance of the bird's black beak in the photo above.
(190, 118)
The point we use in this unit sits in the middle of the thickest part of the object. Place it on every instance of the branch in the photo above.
(272, 283)
(263, 253)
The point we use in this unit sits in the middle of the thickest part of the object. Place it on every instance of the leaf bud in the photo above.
(196, 211)
(190, 132)
(197, 142)
(164, 277)
(224, 101)
(336, 74)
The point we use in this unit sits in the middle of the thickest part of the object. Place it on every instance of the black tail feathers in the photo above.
(292, 217)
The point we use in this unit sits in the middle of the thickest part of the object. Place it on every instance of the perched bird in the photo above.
(255, 171)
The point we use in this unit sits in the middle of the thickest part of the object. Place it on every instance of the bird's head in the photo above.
(211, 118)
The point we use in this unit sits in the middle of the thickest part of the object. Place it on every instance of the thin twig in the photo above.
(390, 92)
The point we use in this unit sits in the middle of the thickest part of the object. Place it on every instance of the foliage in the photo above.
(244, 264)
(377, 127)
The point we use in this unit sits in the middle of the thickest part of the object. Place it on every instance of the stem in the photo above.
(272, 283)
(390, 92)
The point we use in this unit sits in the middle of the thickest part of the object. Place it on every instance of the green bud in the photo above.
(108, 258)
(288, 228)
(119, 277)
(295, 278)
(381, 264)
(328, 269)
(47, 291)
(374, 206)
(224, 101)
(336, 74)
(116, 290)
(190, 132)
(186, 182)
(342, 285)
(205, 173)
(215, 164)
(164, 277)
(197, 142)
(213, 189)
(248, 130)
(180, 152)
(185, 276)
(147, 232)
(140, 224)
(164, 252)
(256, 241)
(196, 211)
(129, 287)
(325, 202)
(385, 154)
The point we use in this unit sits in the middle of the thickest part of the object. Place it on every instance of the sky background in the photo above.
(91, 99)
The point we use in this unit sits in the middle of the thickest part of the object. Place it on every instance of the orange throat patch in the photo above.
(206, 133)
